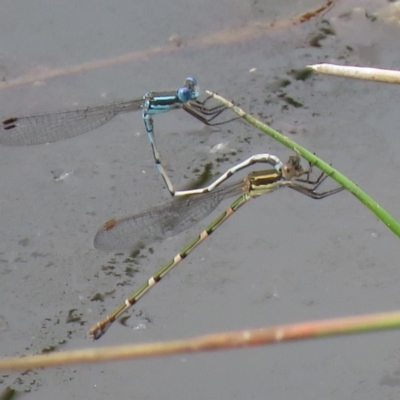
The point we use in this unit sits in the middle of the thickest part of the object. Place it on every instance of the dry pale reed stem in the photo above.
(370, 74)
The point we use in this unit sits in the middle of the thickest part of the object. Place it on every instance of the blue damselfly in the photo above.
(51, 127)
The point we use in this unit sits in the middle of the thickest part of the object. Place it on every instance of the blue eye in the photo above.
(191, 82)
(184, 94)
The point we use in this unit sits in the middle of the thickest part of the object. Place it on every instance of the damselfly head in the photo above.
(191, 83)
(190, 91)
(293, 167)
(193, 87)
(294, 160)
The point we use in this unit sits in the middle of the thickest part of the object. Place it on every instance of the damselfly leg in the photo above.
(310, 191)
(207, 115)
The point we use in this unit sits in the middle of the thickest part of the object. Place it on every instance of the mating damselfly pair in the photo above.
(192, 205)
